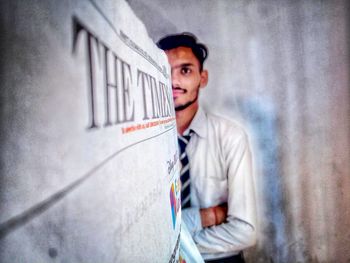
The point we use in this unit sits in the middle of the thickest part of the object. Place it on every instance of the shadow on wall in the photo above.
(151, 18)
(261, 119)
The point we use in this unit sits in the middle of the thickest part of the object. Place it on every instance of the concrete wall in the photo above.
(282, 68)
(89, 169)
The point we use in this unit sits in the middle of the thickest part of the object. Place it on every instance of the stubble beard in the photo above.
(187, 104)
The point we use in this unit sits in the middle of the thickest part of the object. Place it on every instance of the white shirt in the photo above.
(221, 172)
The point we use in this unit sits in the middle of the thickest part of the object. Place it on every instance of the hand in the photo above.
(207, 216)
(214, 215)
(220, 214)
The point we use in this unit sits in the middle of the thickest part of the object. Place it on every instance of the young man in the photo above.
(218, 199)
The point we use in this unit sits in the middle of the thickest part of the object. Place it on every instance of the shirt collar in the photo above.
(198, 124)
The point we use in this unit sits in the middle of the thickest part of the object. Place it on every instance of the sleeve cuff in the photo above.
(191, 217)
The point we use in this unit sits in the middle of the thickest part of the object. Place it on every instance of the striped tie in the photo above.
(184, 172)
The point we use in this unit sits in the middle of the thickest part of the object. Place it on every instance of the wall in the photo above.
(281, 68)
(89, 169)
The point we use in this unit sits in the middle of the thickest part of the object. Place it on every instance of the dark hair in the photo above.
(185, 39)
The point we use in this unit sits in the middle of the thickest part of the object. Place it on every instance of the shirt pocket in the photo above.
(213, 191)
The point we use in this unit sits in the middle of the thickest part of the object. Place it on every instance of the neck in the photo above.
(185, 117)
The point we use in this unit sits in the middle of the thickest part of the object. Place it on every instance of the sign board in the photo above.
(89, 167)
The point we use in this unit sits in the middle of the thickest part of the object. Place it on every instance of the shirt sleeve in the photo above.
(191, 217)
(239, 230)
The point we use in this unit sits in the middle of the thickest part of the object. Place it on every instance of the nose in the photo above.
(175, 81)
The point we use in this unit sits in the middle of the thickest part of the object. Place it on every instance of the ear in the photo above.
(204, 78)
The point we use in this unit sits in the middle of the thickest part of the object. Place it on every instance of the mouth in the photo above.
(177, 92)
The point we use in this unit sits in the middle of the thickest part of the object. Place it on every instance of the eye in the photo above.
(185, 70)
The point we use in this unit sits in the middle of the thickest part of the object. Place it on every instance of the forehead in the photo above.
(181, 55)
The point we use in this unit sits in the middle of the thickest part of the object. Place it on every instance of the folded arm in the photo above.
(219, 229)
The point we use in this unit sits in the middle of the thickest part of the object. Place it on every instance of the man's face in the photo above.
(185, 76)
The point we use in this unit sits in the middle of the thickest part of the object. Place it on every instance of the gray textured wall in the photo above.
(282, 68)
